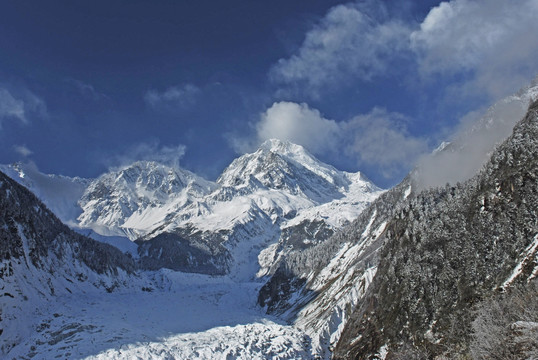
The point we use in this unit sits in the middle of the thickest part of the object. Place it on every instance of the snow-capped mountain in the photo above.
(352, 271)
(64, 295)
(133, 200)
(262, 200)
(275, 199)
(280, 165)
(237, 226)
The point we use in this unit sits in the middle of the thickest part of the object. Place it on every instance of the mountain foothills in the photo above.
(282, 257)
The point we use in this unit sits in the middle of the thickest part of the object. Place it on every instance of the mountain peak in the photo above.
(296, 153)
(282, 147)
(291, 151)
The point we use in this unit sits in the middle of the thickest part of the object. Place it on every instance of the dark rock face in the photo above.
(178, 252)
(447, 250)
(313, 231)
(276, 293)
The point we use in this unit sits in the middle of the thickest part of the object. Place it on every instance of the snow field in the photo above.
(189, 316)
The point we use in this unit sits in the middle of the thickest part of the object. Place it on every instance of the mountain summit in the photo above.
(281, 165)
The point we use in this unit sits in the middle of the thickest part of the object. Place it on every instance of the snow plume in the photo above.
(357, 39)
(180, 96)
(379, 138)
(492, 42)
(148, 151)
(473, 143)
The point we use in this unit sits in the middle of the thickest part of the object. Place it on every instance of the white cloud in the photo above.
(176, 96)
(149, 151)
(378, 139)
(11, 108)
(23, 150)
(355, 39)
(381, 138)
(477, 49)
(298, 124)
(482, 47)
(492, 40)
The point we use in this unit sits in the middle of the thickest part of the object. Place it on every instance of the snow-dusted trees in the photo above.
(506, 325)
(447, 250)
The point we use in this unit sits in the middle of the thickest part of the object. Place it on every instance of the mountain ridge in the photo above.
(270, 195)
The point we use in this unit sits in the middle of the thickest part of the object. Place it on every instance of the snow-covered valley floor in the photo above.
(187, 316)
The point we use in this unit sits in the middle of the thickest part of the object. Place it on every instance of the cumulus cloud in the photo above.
(379, 138)
(494, 41)
(148, 151)
(490, 45)
(355, 39)
(298, 124)
(180, 96)
(23, 150)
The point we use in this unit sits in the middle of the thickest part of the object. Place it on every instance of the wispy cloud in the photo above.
(86, 90)
(379, 138)
(20, 105)
(180, 96)
(23, 150)
(10, 107)
(474, 141)
(356, 40)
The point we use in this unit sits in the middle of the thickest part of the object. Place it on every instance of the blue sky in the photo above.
(364, 85)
